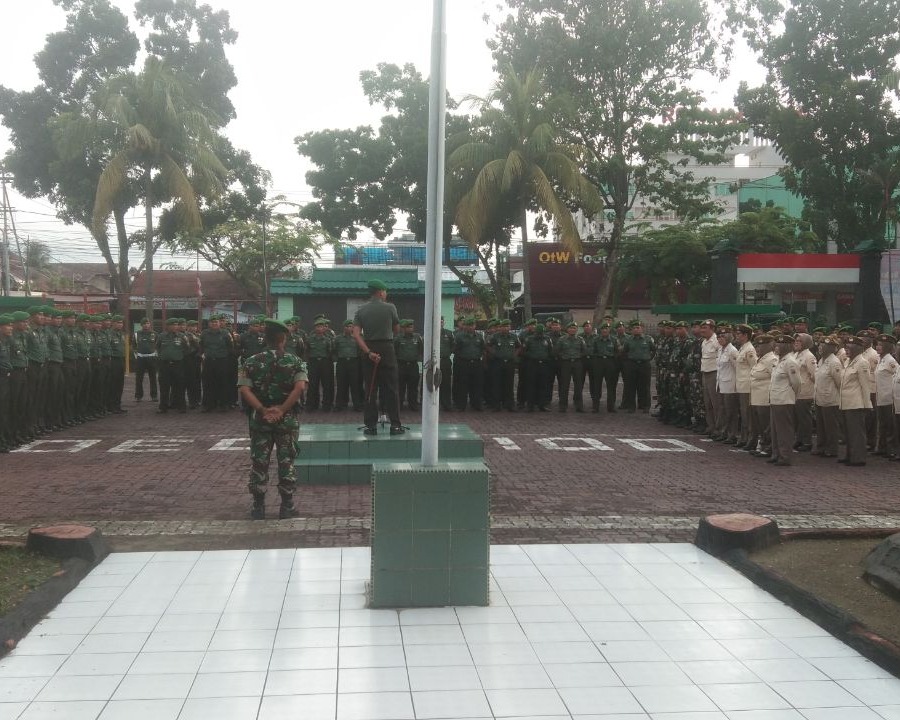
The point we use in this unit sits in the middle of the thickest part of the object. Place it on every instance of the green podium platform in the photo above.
(342, 455)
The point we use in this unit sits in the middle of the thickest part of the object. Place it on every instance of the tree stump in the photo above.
(718, 534)
(883, 566)
(68, 541)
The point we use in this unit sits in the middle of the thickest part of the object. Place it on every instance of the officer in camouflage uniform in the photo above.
(679, 376)
(409, 348)
(663, 368)
(695, 379)
(270, 384)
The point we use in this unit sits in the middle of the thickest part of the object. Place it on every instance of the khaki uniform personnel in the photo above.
(746, 359)
(856, 401)
(171, 346)
(570, 351)
(320, 367)
(760, 380)
(605, 351)
(409, 348)
(374, 327)
(709, 352)
(804, 407)
(783, 389)
(348, 378)
(6, 417)
(884, 396)
(872, 357)
(827, 400)
(637, 352)
(503, 349)
(726, 388)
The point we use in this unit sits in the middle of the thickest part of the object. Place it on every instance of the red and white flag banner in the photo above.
(789, 268)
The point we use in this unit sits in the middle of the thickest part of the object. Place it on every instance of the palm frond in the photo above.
(514, 170)
(471, 155)
(549, 201)
(177, 183)
(112, 179)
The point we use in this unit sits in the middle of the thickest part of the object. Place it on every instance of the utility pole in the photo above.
(5, 248)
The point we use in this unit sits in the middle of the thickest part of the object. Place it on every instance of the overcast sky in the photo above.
(298, 67)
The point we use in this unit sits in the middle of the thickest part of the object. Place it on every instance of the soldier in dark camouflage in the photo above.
(270, 384)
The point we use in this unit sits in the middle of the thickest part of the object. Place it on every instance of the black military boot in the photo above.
(287, 510)
(258, 511)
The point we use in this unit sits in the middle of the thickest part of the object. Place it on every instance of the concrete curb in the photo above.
(838, 622)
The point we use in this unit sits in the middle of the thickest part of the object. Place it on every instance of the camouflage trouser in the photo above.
(698, 410)
(679, 396)
(261, 442)
(662, 377)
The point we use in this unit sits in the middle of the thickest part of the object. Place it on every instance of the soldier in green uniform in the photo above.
(116, 364)
(553, 331)
(588, 334)
(6, 416)
(347, 370)
(537, 352)
(83, 372)
(216, 349)
(503, 349)
(171, 347)
(18, 377)
(54, 402)
(106, 352)
(271, 383)
(296, 342)
(637, 352)
(570, 351)
(69, 345)
(193, 362)
(469, 366)
(36, 349)
(698, 409)
(620, 333)
(409, 348)
(98, 371)
(145, 359)
(252, 340)
(320, 364)
(374, 326)
(679, 376)
(605, 358)
(447, 346)
(663, 363)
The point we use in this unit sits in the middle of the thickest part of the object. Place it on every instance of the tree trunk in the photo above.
(609, 277)
(122, 278)
(148, 242)
(526, 278)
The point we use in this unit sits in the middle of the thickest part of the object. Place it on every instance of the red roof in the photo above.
(216, 285)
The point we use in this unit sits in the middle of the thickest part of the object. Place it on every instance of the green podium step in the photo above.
(342, 455)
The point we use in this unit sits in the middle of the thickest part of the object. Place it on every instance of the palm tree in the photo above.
(519, 160)
(165, 144)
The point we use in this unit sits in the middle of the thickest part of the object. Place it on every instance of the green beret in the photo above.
(681, 323)
(572, 325)
(320, 320)
(172, 321)
(875, 325)
(552, 320)
(586, 323)
(605, 326)
(538, 328)
(69, 313)
(531, 323)
(492, 323)
(347, 323)
(403, 323)
(620, 323)
(635, 323)
(272, 324)
(259, 319)
(470, 320)
(801, 319)
(117, 318)
(35, 310)
(6, 320)
(504, 322)
(83, 317)
(376, 284)
(191, 322)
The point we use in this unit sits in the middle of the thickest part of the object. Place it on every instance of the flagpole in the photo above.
(434, 235)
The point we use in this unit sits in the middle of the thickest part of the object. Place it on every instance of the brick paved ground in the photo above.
(555, 478)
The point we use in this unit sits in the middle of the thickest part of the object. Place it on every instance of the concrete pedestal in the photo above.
(430, 534)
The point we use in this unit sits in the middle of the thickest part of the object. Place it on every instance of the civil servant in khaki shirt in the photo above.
(709, 354)
(856, 401)
(783, 389)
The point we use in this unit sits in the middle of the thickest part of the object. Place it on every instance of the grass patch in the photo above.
(20, 572)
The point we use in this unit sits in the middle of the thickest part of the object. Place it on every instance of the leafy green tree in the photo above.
(517, 163)
(763, 230)
(829, 104)
(627, 67)
(60, 141)
(167, 142)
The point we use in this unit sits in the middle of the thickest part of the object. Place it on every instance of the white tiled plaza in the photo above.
(619, 632)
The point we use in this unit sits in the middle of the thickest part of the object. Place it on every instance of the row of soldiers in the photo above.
(58, 368)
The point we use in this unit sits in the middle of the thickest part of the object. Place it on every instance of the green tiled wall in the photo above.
(430, 534)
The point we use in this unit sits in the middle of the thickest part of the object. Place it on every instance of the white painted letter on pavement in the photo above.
(40, 446)
(553, 443)
(506, 443)
(151, 445)
(672, 445)
(232, 444)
